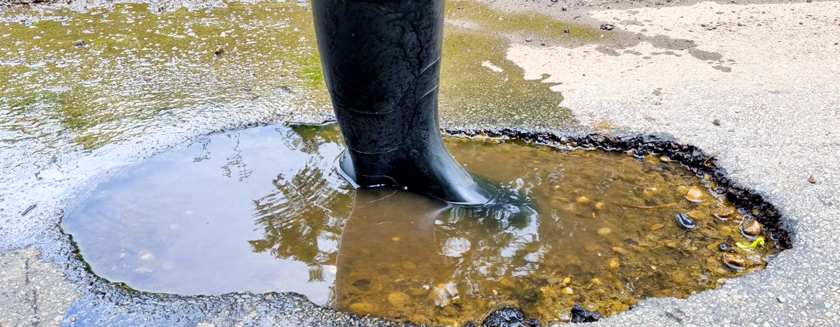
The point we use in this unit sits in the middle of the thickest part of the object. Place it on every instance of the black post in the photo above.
(381, 61)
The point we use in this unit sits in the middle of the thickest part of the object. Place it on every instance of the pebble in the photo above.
(567, 291)
(733, 261)
(650, 192)
(604, 231)
(752, 228)
(619, 250)
(398, 299)
(684, 221)
(722, 247)
(395, 239)
(613, 263)
(664, 159)
(408, 265)
(362, 308)
(723, 212)
(607, 26)
(567, 280)
(583, 200)
(656, 226)
(600, 206)
(812, 179)
(694, 194)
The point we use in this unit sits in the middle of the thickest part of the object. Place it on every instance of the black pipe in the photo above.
(381, 62)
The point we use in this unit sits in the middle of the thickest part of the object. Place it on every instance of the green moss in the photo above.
(521, 24)
(107, 75)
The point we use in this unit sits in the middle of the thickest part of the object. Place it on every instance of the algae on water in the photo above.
(83, 80)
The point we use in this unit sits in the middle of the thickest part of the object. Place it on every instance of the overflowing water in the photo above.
(263, 209)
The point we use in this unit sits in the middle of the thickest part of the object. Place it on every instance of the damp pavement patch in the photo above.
(32, 292)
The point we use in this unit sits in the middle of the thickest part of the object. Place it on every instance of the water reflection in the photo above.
(578, 227)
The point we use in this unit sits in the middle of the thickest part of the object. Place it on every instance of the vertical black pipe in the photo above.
(381, 62)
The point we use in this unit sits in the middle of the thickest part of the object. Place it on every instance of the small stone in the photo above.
(650, 192)
(694, 194)
(733, 261)
(567, 281)
(362, 308)
(723, 212)
(408, 265)
(567, 291)
(664, 159)
(529, 39)
(672, 245)
(596, 281)
(613, 263)
(80, 44)
(604, 231)
(619, 250)
(600, 206)
(780, 299)
(716, 122)
(395, 239)
(722, 247)
(362, 284)
(684, 221)
(398, 299)
(656, 226)
(752, 228)
(812, 179)
(607, 27)
(583, 200)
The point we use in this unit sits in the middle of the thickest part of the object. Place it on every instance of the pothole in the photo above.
(262, 209)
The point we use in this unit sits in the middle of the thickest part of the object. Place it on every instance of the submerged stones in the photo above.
(684, 221)
(751, 228)
(602, 230)
(723, 212)
(694, 194)
(734, 261)
(398, 299)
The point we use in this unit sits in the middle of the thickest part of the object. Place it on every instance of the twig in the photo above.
(706, 162)
(645, 207)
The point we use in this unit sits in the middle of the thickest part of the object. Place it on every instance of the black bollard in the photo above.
(381, 62)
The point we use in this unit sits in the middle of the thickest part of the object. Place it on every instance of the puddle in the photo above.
(262, 210)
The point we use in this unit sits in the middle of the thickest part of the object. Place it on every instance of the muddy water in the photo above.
(263, 210)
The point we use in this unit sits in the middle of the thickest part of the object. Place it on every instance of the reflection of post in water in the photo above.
(406, 256)
(303, 216)
(236, 161)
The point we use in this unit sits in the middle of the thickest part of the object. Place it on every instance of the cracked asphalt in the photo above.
(757, 84)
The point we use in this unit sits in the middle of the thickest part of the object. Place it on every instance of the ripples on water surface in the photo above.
(263, 210)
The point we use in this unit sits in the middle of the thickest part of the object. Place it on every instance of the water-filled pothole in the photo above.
(262, 209)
